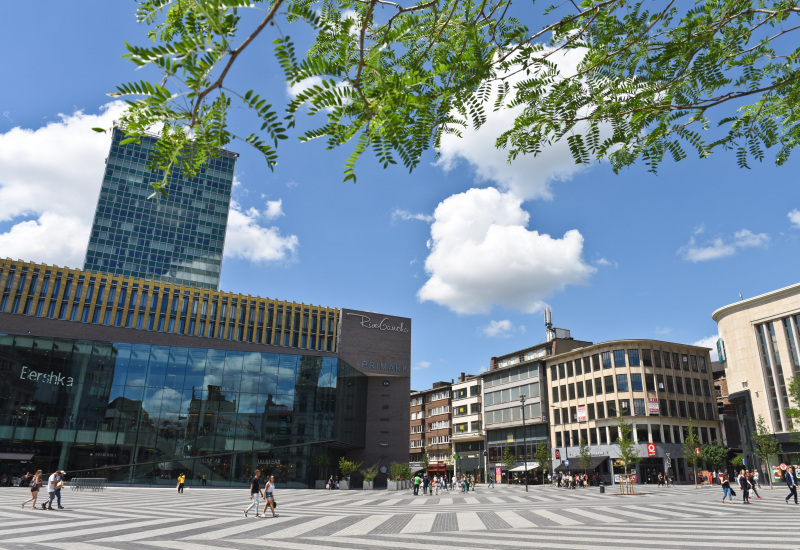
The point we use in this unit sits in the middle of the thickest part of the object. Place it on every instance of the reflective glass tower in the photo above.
(177, 239)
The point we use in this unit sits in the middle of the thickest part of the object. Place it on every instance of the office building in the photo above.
(656, 386)
(136, 381)
(178, 239)
(758, 346)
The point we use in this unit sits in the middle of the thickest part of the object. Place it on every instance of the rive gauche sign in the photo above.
(376, 343)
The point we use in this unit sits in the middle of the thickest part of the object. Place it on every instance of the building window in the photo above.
(619, 357)
(564, 393)
(685, 361)
(694, 363)
(570, 371)
(606, 359)
(679, 384)
(595, 362)
(682, 407)
(697, 390)
(633, 358)
(657, 358)
(636, 381)
(663, 406)
(557, 417)
(650, 381)
(611, 407)
(688, 386)
(622, 382)
(580, 389)
(555, 396)
(588, 384)
(609, 383)
(578, 367)
(666, 360)
(598, 386)
(572, 391)
(692, 411)
(638, 407)
(646, 361)
(673, 408)
(590, 411)
(670, 385)
(601, 410)
(562, 373)
(553, 373)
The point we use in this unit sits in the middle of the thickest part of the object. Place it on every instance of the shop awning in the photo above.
(575, 466)
(16, 456)
(531, 466)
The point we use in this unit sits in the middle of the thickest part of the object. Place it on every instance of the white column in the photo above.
(774, 367)
(650, 432)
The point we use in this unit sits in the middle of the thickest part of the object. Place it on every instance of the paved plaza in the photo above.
(499, 518)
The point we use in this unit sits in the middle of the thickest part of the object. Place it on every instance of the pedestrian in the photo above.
(204, 480)
(417, 481)
(726, 488)
(751, 477)
(337, 482)
(330, 483)
(491, 481)
(35, 484)
(51, 491)
(59, 484)
(744, 485)
(791, 482)
(436, 484)
(755, 477)
(255, 493)
(269, 492)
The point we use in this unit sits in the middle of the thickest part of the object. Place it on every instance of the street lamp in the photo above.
(524, 442)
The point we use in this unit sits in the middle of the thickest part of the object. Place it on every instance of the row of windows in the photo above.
(511, 375)
(439, 425)
(462, 393)
(635, 358)
(510, 414)
(444, 409)
(677, 384)
(511, 394)
(463, 410)
(633, 407)
(70, 294)
(599, 436)
(467, 427)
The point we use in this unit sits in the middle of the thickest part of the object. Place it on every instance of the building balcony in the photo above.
(468, 436)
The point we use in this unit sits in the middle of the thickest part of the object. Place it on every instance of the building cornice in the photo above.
(755, 300)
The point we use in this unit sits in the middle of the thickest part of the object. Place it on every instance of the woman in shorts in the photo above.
(268, 491)
(36, 482)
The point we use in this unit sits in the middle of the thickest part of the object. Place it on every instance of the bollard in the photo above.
(602, 488)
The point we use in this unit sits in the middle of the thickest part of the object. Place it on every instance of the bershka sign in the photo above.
(383, 324)
(55, 379)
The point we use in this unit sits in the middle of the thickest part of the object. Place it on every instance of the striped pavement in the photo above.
(504, 518)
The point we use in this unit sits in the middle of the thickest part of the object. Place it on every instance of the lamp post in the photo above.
(524, 442)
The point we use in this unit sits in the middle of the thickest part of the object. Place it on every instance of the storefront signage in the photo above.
(383, 324)
(652, 406)
(651, 449)
(380, 365)
(581, 413)
(55, 379)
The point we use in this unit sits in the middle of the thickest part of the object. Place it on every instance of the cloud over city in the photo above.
(722, 246)
(483, 254)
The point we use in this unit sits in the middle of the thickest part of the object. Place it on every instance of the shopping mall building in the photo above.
(136, 380)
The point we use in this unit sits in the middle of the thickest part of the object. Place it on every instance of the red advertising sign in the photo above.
(558, 454)
(498, 475)
(652, 406)
(581, 413)
(651, 449)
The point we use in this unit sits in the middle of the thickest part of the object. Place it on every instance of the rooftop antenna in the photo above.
(548, 323)
(740, 296)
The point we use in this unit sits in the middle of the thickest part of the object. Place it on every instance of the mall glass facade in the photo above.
(141, 413)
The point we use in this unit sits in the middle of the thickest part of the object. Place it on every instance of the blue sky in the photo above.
(468, 247)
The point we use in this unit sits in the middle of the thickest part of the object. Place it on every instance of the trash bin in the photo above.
(602, 488)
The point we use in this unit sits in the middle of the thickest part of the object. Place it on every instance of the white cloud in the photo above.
(721, 247)
(709, 342)
(794, 218)
(421, 365)
(249, 240)
(606, 263)
(482, 254)
(498, 329)
(528, 176)
(62, 161)
(274, 209)
(663, 330)
(405, 215)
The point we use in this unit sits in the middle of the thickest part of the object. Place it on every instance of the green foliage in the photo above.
(542, 456)
(425, 460)
(646, 81)
(738, 462)
(322, 461)
(584, 455)
(370, 473)
(767, 446)
(400, 470)
(508, 461)
(690, 443)
(628, 450)
(347, 467)
(714, 454)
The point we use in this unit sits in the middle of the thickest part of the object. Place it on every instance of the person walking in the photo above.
(35, 485)
(755, 477)
(51, 491)
(59, 484)
(181, 482)
(752, 480)
(255, 493)
(491, 482)
(417, 481)
(791, 482)
(744, 485)
(269, 492)
(726, 488)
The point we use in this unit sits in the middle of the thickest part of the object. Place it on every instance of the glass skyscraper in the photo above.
(177, 239)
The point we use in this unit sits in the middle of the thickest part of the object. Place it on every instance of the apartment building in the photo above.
(468, 434)
(431, 428)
